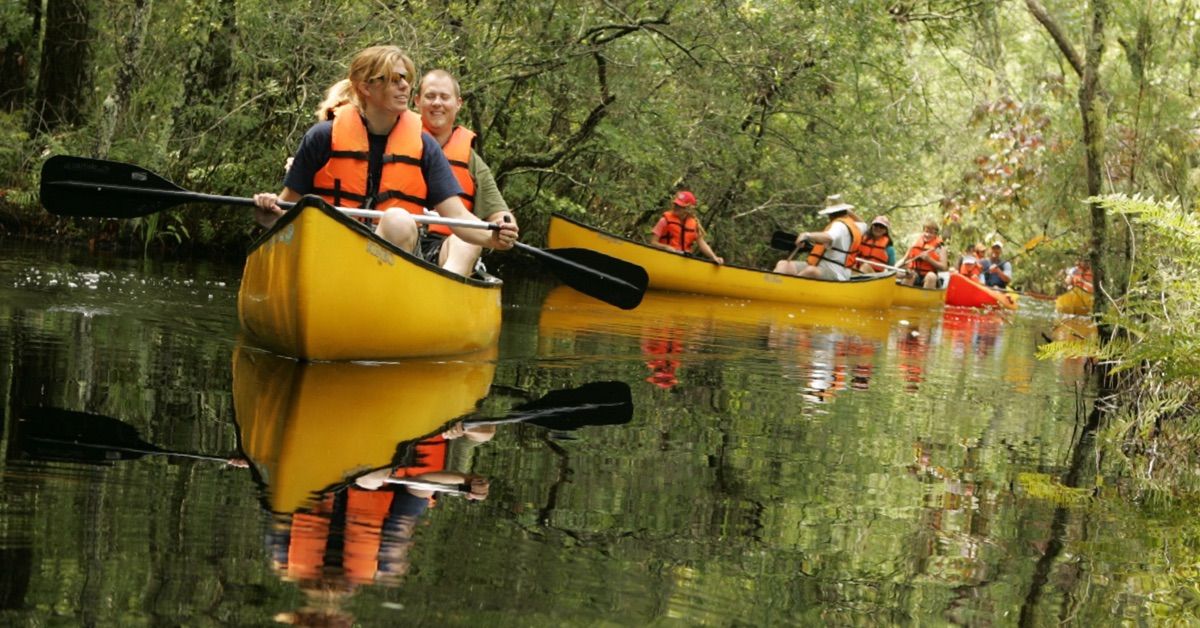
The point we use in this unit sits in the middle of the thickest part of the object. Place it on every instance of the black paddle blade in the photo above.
(57, 434)
(784, 241)
(604, 277)
(96, 188)
(597, 403)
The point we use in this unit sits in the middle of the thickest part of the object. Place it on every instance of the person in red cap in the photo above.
(679, 230)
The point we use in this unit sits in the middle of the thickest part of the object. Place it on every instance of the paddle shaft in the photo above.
(134, 450)
(438, 487)
(185, 196)
(547, 413)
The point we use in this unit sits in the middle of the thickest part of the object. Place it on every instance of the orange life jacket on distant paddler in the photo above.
(921, 265)
(1082, 280)
(458, 153)
(818, 250)
(679, 234)
(874, 249)
(343, 179)
(970, 269)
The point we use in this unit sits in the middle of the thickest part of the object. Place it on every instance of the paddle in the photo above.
(58, 434)
(95, 188)
(596, 403)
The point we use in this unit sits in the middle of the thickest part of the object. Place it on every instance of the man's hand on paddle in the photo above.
(504, 238)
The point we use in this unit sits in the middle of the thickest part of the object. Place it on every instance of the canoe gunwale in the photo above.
(318, 203)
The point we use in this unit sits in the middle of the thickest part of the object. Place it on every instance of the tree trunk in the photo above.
(18, 54)
(64, 74)
(115, 104)
(1091, 109)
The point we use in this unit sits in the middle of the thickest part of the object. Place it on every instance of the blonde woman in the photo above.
(373, 153)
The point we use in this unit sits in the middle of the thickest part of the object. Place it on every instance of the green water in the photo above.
(781, 467)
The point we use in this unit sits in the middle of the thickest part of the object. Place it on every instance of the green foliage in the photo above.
(1154, 353)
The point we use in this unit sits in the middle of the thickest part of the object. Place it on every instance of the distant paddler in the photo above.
(374, 154)
(925, 258)
(828, 258)
(679, 230)
(1079, 276)
(876, 253)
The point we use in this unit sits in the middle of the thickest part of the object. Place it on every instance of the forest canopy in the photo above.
(969, 113)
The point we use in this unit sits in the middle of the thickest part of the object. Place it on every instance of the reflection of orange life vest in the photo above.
(430, 456)
(970, 269)
(458, 153)
(679, 235)
(1082, 279)
(343, 179)
(818, 250)
(920, 265)
(365, 514)
(870, 249)
(662, 371)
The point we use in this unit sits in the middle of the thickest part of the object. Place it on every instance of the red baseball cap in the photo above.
(685, 199)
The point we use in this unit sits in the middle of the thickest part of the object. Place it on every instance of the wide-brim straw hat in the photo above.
(835, 205)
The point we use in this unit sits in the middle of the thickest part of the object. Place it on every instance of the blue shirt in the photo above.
(317, 143)
(992, 281)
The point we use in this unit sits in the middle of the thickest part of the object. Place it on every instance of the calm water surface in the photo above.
(780, 466)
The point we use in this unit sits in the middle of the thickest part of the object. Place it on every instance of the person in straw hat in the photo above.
(830, 246)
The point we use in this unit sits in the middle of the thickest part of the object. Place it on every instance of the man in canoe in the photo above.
(996, 272)
(926, 258)
(374, 154)
(679, 231)
(1080, 275)
(831, 246)
(439, 100)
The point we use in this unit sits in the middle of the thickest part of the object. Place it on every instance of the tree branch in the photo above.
(1056, 33)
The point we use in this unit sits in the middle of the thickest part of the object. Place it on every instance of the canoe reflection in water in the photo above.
(826, 349)
(352, 455)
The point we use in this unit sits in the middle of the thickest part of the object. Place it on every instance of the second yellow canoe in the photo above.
(679, 273)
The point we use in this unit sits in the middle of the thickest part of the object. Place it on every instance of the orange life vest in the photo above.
(343, 179)
(429, 456)
(1083, 280)
(458, 153)
(874, 249)
(818, 250)
(679, 234)
(969, 269)
(922, 266)
(366, 512)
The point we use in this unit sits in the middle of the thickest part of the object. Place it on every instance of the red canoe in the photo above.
(964, 292)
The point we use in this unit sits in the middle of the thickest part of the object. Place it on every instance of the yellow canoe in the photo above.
(679, 273)
(307, 427)
(320, 286)
(1075, 301)
(918, 298)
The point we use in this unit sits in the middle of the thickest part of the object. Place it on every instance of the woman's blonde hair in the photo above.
(367, 64)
